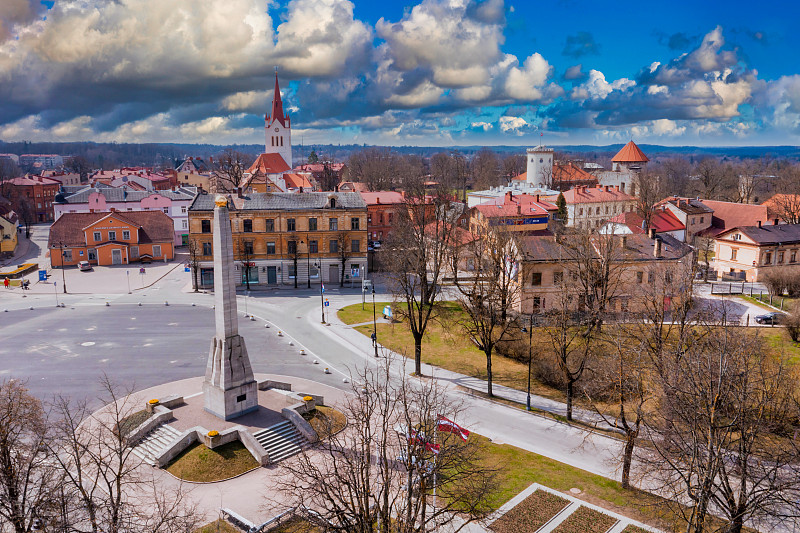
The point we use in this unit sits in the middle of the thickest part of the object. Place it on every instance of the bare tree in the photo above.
(786, 204)
(106, 488)
(648, 192)
(345, 251)
(229, 170)
(676, 174)
(417, 259)
(246, 261)
(492, 291)
(378, 168)
(722, 434)
(485, 169)
(195, 252)
(29, 482)
(392, 469)
(513, 166)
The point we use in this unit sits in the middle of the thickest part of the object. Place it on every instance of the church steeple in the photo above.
(277, 106)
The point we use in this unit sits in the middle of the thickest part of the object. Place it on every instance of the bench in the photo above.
(238, 520)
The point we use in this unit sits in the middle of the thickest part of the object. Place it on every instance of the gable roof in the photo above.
(768, 234)
(296, 181)
(630, 153)
(690, 206)
(580, 195)
(545, 248)
(382, 197)
(118, 194)
(268, 164)
(154, 226)
(282, 200)
(729, 215)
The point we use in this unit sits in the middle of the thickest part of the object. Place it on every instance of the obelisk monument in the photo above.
(229, 388)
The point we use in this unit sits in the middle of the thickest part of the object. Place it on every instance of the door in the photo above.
(116, 257)
(333, 274)
(272, 275)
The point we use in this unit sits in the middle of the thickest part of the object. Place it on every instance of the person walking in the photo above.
(5, 282)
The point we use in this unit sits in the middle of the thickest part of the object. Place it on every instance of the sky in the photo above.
(391, 72)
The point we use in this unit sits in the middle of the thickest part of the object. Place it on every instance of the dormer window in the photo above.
(333, 203)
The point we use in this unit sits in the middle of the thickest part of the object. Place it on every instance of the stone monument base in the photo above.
(231, 403)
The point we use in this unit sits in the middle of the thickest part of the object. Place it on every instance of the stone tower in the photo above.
(278, 129)
(229, 389)
(540, 166)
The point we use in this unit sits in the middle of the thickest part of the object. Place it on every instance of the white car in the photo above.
(84, 265)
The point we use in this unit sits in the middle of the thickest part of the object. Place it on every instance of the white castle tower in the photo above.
(278, 129)
(540, 166)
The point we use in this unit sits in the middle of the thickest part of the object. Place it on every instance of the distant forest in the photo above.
(115, 155)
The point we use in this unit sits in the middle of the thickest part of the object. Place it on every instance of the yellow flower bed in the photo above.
(213, 433)
(307, 398)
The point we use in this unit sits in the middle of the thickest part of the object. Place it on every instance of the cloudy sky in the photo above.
(437, 72)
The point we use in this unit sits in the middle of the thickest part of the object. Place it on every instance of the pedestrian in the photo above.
(5, 282)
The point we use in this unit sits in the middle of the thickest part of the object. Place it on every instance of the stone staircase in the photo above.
(152, 443)
(281, 441)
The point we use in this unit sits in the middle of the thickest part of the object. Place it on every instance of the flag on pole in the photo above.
(445, 424)
(419, 438)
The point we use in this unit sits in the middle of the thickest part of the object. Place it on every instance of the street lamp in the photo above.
(374, 324)
(530, 358)
(63, 278)
(308, 261)
(321, 291)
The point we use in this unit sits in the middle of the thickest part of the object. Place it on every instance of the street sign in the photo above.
(327, 303)
(142, 271)
(187, 269)
(387, 312)
(43, 275)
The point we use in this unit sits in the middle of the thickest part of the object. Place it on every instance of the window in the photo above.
(67, 255)
(793, 256)
(135, 252)
(184, 224)
(207, 250)
(606, 210)
(390, 218)
(126, 235)
(247, 246)
(270, 225)
(355, 223)
(734, 251)
(355, 245)
(292, 272)
(205, 226)
(312, 224)
(639, 277)
(536, 278)
(270, 248)
(701, 219)
(538, 302)
(291, 247)
(312, 247)
(780, 257)
(767, 258)
(334, 246)
(183, 209)
(692, 220)
(333, 203)
(166, 210)
(97, 236)
(248, 226)
(333, 224)
(156, 250)
(290, 224)
(580, 211)
(92, 254)
(112, 235)
(597, 210)
(558, 277)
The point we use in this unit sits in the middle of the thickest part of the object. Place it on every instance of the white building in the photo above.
(278, 129)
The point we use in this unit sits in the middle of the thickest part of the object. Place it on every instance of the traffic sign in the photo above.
(141, 270)
(327, 303)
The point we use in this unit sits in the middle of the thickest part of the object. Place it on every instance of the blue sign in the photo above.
(327, 303)
(43, 275)
(187, 269)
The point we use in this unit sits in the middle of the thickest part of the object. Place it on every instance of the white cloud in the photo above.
(525, 83)
(597, 87)
(513, 125)
(485, 126)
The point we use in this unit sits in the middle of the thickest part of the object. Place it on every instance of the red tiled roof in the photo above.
(565, 173)
(580, 195)
(779, 202)
(355, 186)
(277, 106)
(729, 215)
(268, 164)
(630, 153)
(632, 220)
(382, 197)
(33, 180)
(319, 167)
(296, 181)
(155, 226)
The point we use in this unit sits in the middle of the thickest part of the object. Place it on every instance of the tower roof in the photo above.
(277, 106)
(630, 153)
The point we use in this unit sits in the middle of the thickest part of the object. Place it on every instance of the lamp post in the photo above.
(374, 323)
(321, 292)
(63, 278)
(530, 358)
(308, 261)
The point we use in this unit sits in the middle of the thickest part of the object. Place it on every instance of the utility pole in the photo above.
(63, 278)
(374, 324)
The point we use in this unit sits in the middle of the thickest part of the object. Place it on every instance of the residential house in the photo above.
(9, 221)
(521, 213)
(37, 192)
(708, 218)
(693, 214)
(111, 238)
(382, 208)
(591, 207)
(664, 222)
(353, 186)
(546, 265)
(38, 162)
(748, 252)
(174, 203)
(287, 238)
(63, 177)
(195, 172)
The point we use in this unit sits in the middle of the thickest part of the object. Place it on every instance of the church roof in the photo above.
(277, 106)
(268, 164)
(630, 153)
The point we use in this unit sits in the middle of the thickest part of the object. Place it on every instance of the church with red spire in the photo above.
(278, 128)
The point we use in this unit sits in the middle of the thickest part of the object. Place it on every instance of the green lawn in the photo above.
(199, 463)
(218, 526)
(781, 302)
(352, 314)
(326, 421)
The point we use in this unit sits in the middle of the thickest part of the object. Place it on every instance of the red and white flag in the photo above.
(445, 424)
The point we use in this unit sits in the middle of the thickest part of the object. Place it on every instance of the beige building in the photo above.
(287, 238)
(747, 252)
(591, 207)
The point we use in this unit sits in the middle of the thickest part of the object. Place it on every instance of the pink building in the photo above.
(174, 203)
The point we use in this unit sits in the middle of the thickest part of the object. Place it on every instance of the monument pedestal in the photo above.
(229, 389)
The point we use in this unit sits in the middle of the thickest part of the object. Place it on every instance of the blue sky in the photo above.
(434, 72)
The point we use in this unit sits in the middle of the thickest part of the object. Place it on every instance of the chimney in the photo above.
(509, 197)
(238, 192)
(112, 209)
(537, 198)
(616, 188)
(608, 188)
(301, 188)
(657, 248)
(377, 199)
(759, 223)
(519, 209)
(651, 233)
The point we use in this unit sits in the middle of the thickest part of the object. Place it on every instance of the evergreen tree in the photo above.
(312, 157)
(561, 203)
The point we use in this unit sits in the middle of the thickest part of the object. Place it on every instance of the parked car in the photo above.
(84, 265)
(770, 318)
